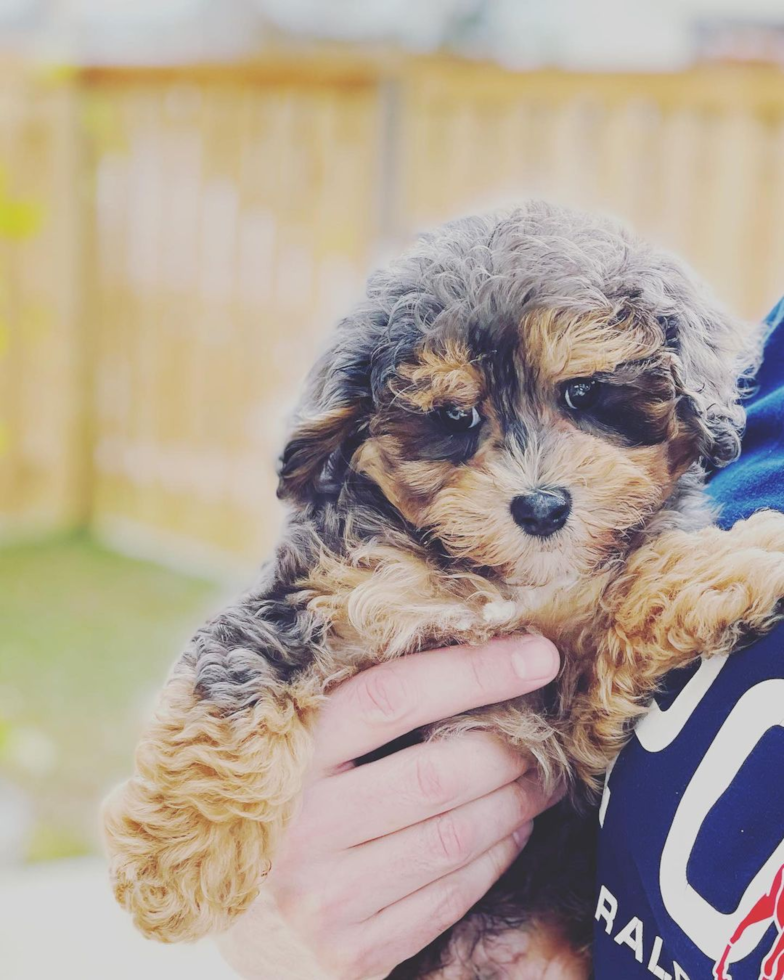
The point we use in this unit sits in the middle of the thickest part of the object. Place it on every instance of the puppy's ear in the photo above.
(329, 424)
(715, 357)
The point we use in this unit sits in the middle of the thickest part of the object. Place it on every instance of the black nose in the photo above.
(542, 512)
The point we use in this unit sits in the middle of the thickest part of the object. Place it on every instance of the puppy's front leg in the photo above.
(688, 594)
(684, 595)
(217, 773)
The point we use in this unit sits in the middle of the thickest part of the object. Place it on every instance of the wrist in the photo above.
(262, 946)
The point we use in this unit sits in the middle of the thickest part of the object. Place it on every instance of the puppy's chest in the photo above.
(398, 604)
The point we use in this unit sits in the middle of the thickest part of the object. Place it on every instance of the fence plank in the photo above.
(41, 455)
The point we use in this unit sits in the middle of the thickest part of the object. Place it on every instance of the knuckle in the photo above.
(498, 859)
(289, 899)
(338, 903)
(451, 904)
(348, 961)
(524, 831)
(361, 964)
(288, 857)
(451, 842)
(287, 907)
(483, 670)
(520, 801)
(381, 695)
(313, 908)
(430, 781)
(335, 962)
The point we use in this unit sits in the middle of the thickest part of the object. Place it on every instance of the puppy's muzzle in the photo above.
(542, 512)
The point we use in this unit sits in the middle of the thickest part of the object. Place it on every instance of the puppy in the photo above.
(510, 433)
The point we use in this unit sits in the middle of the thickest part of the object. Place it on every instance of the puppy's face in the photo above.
(532, 449)
(525, 390)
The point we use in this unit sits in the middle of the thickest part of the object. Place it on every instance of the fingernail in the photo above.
(522, 835)
(535, 660)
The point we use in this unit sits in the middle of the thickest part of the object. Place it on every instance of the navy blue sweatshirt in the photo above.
(691, 845)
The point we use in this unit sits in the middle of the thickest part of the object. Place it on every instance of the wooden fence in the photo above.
(234, 221)
(694, 160)
(41, 347)
(159, 332)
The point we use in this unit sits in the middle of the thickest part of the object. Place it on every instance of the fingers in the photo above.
(405, 928)
(402, 863)
(402, 789)
(387, 701)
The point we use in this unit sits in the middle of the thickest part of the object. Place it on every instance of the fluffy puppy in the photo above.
(509, 433)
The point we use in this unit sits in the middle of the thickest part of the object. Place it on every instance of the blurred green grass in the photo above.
(86, 640)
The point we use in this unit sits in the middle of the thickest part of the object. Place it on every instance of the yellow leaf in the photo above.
(19, 219)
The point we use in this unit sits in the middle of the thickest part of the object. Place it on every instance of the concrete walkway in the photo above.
(59, 921)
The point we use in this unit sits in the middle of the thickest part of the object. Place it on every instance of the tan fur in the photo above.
(471, 514)
(683, 595)
(574, 345)
(408, 484)
(443, 375)
(190, 834)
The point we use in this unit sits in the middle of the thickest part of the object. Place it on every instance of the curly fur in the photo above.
(401, 537)
(209, 797)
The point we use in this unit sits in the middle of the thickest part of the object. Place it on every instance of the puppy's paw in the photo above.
(190, 834)
(178, 874)
(690, 594)
(764, 530)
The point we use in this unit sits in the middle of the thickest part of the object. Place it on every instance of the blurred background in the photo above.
(190, 194)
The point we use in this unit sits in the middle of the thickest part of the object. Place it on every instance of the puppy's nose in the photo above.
(542, 512)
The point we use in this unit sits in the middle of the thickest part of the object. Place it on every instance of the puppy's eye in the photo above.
(581, 393)
(457, 419)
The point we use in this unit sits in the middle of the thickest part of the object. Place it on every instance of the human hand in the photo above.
(381, 858)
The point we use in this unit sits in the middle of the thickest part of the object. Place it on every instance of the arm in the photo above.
(380, 859)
